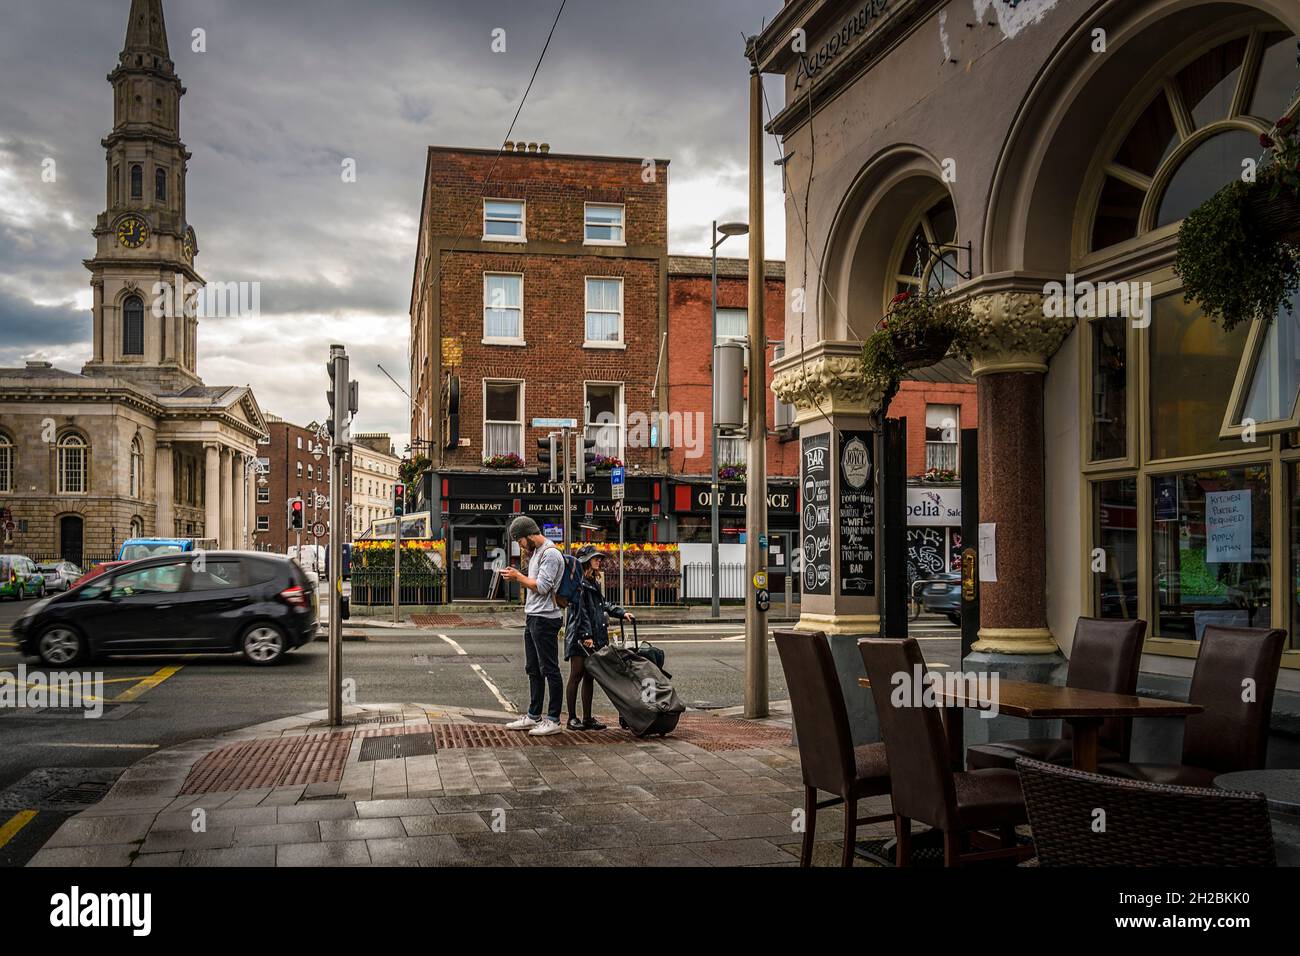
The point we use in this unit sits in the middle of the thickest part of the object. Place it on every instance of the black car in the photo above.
(208, 602)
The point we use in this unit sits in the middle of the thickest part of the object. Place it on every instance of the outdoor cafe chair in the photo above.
(1234, 680)
(1104, 656)
(827, 756)
(1087, 819)
(924, 785)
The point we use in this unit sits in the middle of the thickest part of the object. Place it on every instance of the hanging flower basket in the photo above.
(603, 463)
(1239, 251)
(916, 332)
(508, 460)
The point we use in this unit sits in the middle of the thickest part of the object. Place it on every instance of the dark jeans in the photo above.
(541, 653)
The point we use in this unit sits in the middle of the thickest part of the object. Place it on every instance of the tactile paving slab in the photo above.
(708, 733)
(278, 762)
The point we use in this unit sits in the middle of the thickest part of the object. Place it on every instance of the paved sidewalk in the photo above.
(720, 791)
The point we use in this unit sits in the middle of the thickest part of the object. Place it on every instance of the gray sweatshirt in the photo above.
(546, 567)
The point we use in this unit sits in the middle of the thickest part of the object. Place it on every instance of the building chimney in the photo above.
(544, 148)
(532, 147)
(509, 147)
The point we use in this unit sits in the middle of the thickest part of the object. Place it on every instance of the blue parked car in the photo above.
(135, 548)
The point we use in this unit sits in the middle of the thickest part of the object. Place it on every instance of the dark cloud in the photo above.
(287, 90)
(25, 326)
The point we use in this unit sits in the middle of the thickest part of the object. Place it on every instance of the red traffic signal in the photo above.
(296, 514)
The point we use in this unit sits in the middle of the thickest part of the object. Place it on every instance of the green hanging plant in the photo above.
(917, 331)
(1239, 251)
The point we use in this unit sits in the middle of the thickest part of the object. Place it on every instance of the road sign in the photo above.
(618, 510)
(318, 529)
(616, 485)
(555, 423)
(760, 580)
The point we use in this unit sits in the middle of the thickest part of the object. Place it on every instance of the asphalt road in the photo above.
(158, 701)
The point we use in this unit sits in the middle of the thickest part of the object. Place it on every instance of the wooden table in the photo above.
(1083, 710)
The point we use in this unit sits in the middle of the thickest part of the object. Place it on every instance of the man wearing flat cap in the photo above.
(542, 617)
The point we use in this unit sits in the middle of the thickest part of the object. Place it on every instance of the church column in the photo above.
(212, 490)
(97, 307)
(240, 500)
(227, 506)
(164, 523)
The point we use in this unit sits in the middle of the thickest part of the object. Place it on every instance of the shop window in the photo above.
(1209, 90)
(604, 311)
(503, 220)
(1115, 533)
(1268, 380)
(941, 436)
(1109, 388)
(604, 404)
(1193, 365)
(503, 423)
(503, 308)
(603, 224)
(1211, 549)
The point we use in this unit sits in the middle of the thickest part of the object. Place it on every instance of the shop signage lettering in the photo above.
(857, 515)
(855, 26)
(815, 526)
(934, 506)
(738, 500)
(586, 489)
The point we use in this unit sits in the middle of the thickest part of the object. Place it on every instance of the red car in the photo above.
(97, 570)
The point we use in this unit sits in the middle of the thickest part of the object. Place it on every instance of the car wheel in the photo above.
(263, 644)
(955, 619)
(59, 646)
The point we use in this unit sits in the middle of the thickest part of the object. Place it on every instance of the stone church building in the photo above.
(135, 443)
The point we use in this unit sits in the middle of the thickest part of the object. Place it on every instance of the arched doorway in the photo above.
(71, 538)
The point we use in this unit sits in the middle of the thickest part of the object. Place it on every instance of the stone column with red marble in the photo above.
(1011, 342)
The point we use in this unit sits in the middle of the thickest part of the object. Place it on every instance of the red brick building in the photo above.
(291, 470)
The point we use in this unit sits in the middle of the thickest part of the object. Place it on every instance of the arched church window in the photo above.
(72, 464)
(160, 185)
(137, 527)
(137, 181)
(1195, 134)
(6, 463)
(133, 326)
(137, 467)
(925, 261)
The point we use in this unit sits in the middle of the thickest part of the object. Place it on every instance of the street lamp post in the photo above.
(250, 465)
(727, 229)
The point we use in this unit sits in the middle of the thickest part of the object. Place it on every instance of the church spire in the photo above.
(146, 32)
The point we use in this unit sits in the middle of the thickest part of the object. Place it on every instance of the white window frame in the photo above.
(519, 409)
(620, 406)
(728, 441)
(137, 468)
(500, 339)
(263, 494)
(299, 469)
(300, 443)
(523, 220)
(66, 444)
(263, 523)
(952, 448)
(622, 224)
(7, 469)
(620, 343)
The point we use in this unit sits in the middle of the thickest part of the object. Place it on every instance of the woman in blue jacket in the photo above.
(586, 630)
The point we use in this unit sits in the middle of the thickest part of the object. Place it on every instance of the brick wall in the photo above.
(283, 483)
(690, 360)
(910, 403)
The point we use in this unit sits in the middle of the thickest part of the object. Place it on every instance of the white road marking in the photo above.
(478, 669)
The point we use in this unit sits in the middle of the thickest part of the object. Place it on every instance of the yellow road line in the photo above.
(153, 680)
(8, 643)
(19, 820)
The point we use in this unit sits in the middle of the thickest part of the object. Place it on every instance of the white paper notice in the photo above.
(1227, 526)
(988, 550)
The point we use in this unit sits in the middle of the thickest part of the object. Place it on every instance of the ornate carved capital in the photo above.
(828, 377)
(1009, 333)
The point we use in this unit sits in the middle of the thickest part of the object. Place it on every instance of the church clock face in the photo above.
(187, 244)
(132, 232)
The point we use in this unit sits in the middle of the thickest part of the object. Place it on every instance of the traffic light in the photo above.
(546, 460)
(297, 513)
(586, 456)
(399, 500)
(342, 395)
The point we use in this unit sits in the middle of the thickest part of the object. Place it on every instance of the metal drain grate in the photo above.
(397, 747)
(323, 796)
(82, 795)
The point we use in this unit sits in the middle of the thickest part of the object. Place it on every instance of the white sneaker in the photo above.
(523, 723)
(544, 727)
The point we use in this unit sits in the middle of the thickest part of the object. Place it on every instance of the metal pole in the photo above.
(756, 477)
(622, 595)
(713, 458)
(339, 359)
(397, 557)
(564, 480)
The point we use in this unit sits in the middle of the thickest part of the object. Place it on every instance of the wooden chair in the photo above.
(827, 756)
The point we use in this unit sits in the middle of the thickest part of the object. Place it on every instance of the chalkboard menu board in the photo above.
(815, 516)
(857, 514)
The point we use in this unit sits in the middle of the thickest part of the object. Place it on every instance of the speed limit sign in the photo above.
(318, 529)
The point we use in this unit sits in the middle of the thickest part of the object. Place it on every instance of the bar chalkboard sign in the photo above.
(815, 514)
(857, 514)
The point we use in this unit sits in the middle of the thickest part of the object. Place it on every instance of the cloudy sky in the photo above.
(285, 92)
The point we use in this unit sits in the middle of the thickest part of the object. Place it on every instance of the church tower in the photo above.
(142, 238)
